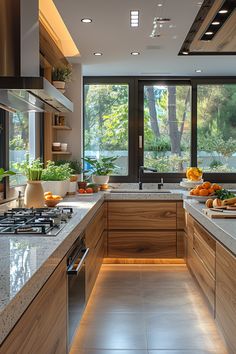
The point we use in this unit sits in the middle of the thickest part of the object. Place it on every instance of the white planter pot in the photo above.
(56, 187)
(100, 179)
(34, 197)
(60, 85)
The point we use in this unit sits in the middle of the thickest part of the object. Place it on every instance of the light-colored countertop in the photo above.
(224, 230)
(26, 262)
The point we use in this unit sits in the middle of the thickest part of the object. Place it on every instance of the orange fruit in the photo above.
(206, 185)
(192, 192)
(48, 197)
(195, 192)
(199, 187)
(211, 190)
(47, 193)
(203, 192)
(216, 186)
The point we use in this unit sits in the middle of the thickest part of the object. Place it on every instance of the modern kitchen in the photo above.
(117, 177)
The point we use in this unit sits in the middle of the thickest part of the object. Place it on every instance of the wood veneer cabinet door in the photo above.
(96, 227)
(142, 244)
(141, 215)
(226, 295)
(43, 326)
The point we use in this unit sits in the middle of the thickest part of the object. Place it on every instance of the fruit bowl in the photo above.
(202, 199)
(52, 202)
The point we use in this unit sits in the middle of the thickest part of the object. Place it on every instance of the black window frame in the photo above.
(136, 123)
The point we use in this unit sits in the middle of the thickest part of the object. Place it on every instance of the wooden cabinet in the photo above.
(226, 295)
(43, 326)
(141, 215)
(142, 244)
(201, 258)
(96, 240)
(145, 229)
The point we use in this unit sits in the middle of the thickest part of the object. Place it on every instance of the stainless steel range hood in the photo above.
(21, 87)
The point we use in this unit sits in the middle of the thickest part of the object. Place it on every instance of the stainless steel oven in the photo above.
(76, 285)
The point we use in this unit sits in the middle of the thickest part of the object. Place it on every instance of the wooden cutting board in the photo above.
(220, 214)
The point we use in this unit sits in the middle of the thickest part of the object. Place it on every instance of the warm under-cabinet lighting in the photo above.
(54, 24)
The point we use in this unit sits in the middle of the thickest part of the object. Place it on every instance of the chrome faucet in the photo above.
(161, 184)
(140, 174)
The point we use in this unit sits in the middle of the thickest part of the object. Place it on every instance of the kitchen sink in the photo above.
(140, 191)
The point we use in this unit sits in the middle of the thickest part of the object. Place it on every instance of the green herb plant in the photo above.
(56, 173)
(103, 166)
(224, 194)
(75, 165)
(62, 74)
(32, 169)
(4, 173)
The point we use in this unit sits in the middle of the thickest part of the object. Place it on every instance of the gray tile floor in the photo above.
(147, 309)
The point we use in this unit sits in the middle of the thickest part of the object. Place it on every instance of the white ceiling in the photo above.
(111, 34)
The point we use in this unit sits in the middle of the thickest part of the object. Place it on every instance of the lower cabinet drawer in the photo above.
(204, 278)
(206, 253)
(93, 264)
(142, 244)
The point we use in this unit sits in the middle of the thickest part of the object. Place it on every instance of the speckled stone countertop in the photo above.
(26, 262)
(224, 230)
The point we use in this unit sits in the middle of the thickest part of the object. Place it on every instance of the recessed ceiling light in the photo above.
(185, 53)
(223, 11)
(97, 54)
(86, 20)
(134, 18)
(209, 33)
(160, 5)
(198, 70)
(215, 23)
(135, 53)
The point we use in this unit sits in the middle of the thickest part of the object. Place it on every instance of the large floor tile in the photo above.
(111, 331)
(116, 299)
(182, 331)
(166, 299)
(183, 351)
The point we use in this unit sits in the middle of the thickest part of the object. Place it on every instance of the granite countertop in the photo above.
(222, 229)
(26, 262)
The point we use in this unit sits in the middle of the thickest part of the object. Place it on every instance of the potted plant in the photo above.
(4, 174)
(60, 76)
(56, 178)
(101, 168)
(34, 195)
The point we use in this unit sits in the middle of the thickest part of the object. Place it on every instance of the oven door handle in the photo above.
(71, 270)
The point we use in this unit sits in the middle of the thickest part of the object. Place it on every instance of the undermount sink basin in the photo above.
(140, 191)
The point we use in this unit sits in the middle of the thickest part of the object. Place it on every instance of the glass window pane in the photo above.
(18, 144)
(167, 127)
(216, 128)
(106, 123)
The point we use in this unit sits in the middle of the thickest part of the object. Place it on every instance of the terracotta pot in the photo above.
(34, 195)
(100, 179)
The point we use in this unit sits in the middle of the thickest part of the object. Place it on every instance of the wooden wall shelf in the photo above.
(61, 127)
(61, 153)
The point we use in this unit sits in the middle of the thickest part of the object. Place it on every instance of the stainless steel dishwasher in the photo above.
(76, 285)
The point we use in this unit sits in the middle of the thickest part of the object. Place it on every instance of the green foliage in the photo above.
(217, 144)
(17, 143)
(215, 164)
(171, 163)
(4, 173)
(224, 194)
(31, 169)
(62, 74)
(102, 167)
(75, 165)
(56, 173)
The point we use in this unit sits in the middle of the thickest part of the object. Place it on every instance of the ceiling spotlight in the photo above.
(135, 53)
(215, 23)
(185, 53)
(160, 5)
(134, 18)
(209, 33)
(86, 20)
(97, 54)
(223, 11)
(198, 70)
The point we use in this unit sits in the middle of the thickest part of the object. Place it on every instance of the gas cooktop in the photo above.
(35, 221)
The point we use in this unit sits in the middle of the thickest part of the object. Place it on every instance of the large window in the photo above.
(106, 123)
(216, 128)
(22, 142)
(167, 127)
(164, 123)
